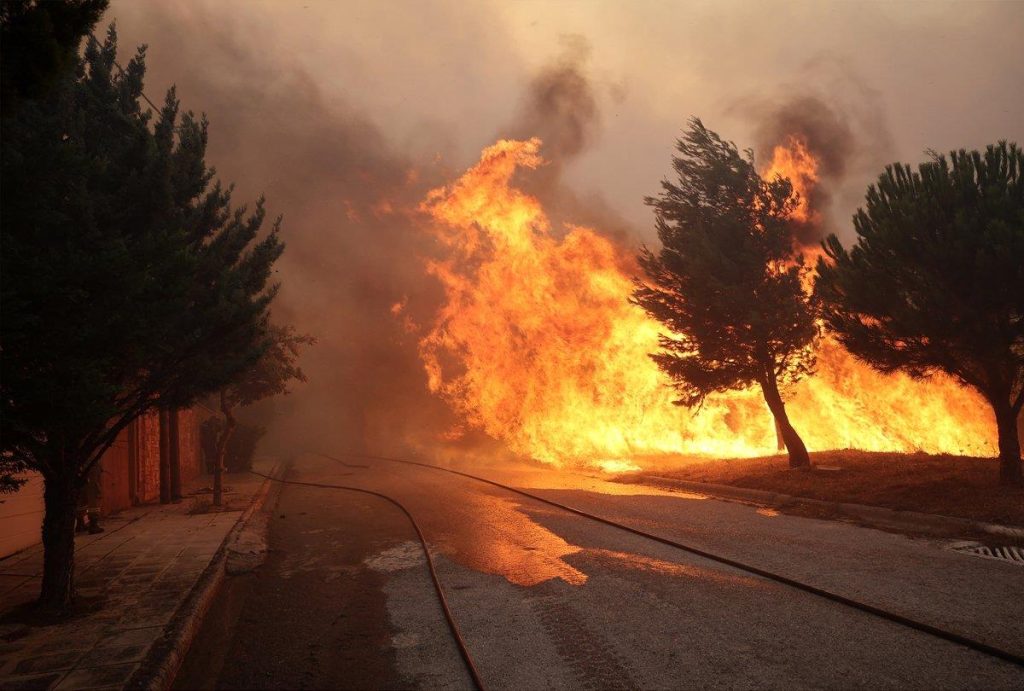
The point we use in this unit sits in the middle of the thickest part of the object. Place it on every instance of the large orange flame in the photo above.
(793, 161)
(538, 346)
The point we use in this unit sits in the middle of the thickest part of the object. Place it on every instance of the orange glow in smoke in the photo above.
(537, 345)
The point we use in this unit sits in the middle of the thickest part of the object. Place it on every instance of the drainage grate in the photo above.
(1014, 555)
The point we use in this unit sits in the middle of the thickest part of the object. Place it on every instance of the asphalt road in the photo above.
(547, 599)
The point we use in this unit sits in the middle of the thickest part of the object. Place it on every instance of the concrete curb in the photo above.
(874, 515)
(161, 664)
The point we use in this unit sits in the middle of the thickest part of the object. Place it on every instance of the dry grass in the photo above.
(946, 485)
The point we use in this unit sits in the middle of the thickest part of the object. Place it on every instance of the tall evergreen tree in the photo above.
(126, 279)
(935, 281)
(40, 41)
(726, 282)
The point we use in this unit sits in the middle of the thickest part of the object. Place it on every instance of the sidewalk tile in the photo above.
(132, 579)
(123, 653)
(93, 677)
(36, 681)
(136, 636)
(48, 663)
(84, 641)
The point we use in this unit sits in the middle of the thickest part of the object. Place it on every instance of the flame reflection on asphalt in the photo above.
(491, 535)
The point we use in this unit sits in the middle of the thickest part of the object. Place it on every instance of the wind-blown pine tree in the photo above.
(726, 282)
(935, 281)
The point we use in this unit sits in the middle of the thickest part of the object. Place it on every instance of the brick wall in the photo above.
(115, 475)
(137, 451)
(147, 464)
(190, 455)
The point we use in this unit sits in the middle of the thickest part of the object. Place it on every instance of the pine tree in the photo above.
(127, 281)
(935, 281)
(726, 282)
(40, 40)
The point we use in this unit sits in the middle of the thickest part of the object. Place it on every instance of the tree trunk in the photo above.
(222, 450)
(798, 457)
(60, 498)
(1009, 443)
(780, 443)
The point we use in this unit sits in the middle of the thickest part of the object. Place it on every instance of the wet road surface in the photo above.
(547, 599)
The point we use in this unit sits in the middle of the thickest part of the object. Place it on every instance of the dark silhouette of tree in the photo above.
(726, 282)
(127, 281)
(935, 281)
(40, 43)
(269, 376)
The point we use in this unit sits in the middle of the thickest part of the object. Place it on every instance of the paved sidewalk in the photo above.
(131, 580)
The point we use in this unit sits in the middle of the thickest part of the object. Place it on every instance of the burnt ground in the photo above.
(959, 486)
(312, 616)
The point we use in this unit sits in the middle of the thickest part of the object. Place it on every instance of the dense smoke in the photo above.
(353, 271)
(827, 133)
(562, 107)
(353, 250)
(843, 127)
(346, 114)
(829, 140)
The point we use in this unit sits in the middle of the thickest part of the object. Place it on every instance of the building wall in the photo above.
(190, 454)
(146, 447)
(147, 455)
(21, 516)
(129, 475)
(115, 475)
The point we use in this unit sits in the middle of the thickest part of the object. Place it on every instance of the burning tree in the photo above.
(269, 376)
(935, 281)
(726, 282)
(127, 280)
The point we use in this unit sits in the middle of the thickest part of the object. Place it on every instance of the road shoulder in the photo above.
(142, 586)
(884, 518)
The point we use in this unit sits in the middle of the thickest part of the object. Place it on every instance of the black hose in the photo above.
(949, 636)
(459, 641)
(349, 465)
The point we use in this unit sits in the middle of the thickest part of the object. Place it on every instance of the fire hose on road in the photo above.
(456, 634)
(893, 617)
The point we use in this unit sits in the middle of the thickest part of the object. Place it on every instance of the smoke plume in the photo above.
(351, 274)
(843, 126)
(353, 271)
(562, 107)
